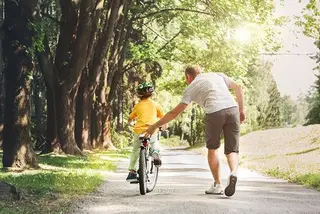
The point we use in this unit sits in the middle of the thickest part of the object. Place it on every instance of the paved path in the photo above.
(182, 181)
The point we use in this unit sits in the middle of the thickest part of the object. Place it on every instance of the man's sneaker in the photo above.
(215, 189)
(132, 176)
(231, 186)
(156, 159)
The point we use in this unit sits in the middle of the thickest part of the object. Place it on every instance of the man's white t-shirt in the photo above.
(210, 91)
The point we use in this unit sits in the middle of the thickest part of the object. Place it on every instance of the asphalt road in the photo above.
(184, 177)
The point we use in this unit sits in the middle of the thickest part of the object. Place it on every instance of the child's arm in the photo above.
(131, 122)
(132, 116)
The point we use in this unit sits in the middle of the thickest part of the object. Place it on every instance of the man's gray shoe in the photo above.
(231, 186)
(215, 189)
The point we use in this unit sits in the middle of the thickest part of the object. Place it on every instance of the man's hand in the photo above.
(164, 126)
(151, 129)
(242, 116)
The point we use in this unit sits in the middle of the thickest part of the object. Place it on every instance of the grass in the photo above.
(303, 152)
(287, 153)
(60, 179)
(290, 173)
(310, 179)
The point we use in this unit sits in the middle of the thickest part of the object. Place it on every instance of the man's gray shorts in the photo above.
(228, 121)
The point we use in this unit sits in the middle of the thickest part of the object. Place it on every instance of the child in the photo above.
(146, 112)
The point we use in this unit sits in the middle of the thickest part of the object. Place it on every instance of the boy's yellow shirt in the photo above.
(145, 112)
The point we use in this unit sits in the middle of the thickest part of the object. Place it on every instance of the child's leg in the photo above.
(154, 144)
(135, 153)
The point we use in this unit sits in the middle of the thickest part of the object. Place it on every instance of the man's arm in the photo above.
(167, 118)
(240, 97)
(171, 115)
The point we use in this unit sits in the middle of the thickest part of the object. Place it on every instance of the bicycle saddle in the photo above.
(142, 137)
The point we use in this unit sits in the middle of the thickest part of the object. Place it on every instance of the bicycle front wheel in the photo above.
(143, 172)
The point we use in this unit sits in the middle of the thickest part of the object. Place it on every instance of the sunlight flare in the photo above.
(242, 34)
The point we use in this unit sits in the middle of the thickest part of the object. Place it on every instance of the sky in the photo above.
(294, 74)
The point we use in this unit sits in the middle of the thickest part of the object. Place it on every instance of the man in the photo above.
(211, 92)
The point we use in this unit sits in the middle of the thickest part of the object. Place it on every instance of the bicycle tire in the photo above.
(153, 184)
(142, 172)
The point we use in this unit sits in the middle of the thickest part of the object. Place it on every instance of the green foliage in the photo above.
(273, 117)
(262, 98)
(173, 141)
(313, 116)
(311, 180)
(310, 22)
(288, 108)
(293, 112)
(121, 139)
(37, 38)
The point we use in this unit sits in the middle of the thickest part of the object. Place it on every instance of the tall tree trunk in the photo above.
(95, 125)
(73, 52)
(2, 91)
(83, 115)
(38, 106)
(47, 67)
(99, 108)
(52, 137)
(102, 114)
(65, 105)
(17, 149)
(79, 115)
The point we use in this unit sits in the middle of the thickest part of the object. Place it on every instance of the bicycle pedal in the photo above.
(134, 182)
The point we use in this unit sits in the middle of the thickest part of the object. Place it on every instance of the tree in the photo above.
(310, 22)
(288, 111)
(262, 97)
(17, 149)
(86, 30)
(92, 53)
(273, 114)
(1, 78)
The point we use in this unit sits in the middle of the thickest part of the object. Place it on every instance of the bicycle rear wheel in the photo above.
(152, 175)
(142, 172)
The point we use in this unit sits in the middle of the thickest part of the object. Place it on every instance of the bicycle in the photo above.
(148, 171)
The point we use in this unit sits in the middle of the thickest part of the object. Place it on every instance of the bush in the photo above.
(121, 139)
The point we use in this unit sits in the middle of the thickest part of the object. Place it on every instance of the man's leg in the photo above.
(233, 162)
(213, 127)
(231, 132)
(213, 160)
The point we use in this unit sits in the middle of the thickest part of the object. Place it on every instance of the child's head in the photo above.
(145, 90)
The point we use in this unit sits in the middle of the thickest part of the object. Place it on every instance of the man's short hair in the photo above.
(193, 70)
